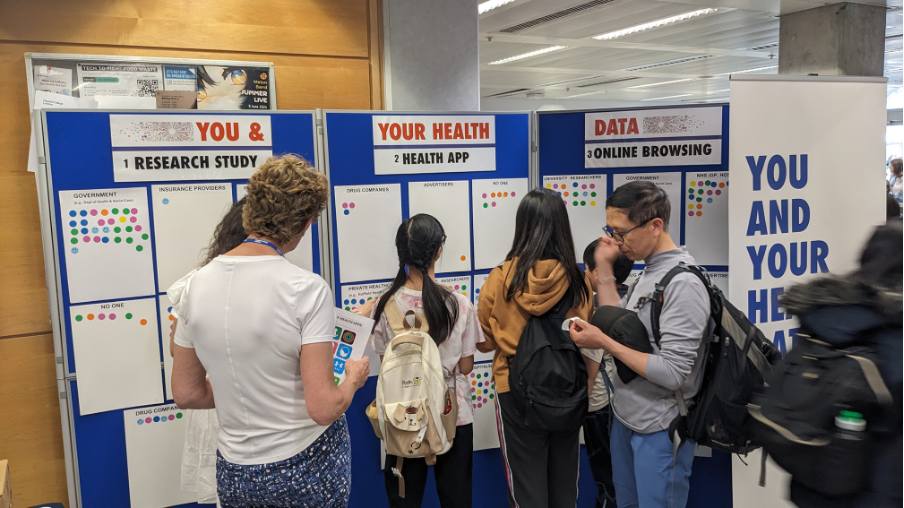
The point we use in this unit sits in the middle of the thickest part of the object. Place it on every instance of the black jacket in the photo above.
(844, 311)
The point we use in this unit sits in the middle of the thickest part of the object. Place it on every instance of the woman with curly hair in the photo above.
(262, 329)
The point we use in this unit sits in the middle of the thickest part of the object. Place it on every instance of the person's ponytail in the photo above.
(397, 283)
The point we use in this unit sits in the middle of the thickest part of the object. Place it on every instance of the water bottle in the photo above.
(846, 458)
(850, 426)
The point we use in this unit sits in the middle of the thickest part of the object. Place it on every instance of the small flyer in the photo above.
(120, 80)
(53, 79)
(226, 88)
(349, 340)
(180, 78)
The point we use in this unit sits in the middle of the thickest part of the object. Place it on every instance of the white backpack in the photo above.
(415, 411)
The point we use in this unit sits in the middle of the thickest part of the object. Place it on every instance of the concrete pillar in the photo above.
(844, 39)
(430, 55)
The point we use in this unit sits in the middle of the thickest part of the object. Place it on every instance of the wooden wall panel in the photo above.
(30, 428)
(327, 55)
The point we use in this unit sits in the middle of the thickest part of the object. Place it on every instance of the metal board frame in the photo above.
(47, 212)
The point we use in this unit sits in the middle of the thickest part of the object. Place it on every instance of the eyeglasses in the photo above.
(620, 237)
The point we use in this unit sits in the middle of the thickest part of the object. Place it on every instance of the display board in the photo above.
(118, 240)
(586, 155)
(469, 171)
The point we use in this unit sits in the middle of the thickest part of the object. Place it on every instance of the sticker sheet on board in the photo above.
(706, 217)
(585, 199)
(448, 202)
(483, 400)
(495, 203)
(367, 217)
(154, 439)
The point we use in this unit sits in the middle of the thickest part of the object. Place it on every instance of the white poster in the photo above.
(154, 439)
(107, 244)
(135, 80)
(671, 183)
(585, 199)
(483, 400)
(148, 148)
(804, 201)
(117, 355)
(349, 341)
(479, 280)
(185, 217)
(180, 78)
(367, 218)
(494, 204)
(653, 137)
(720, 280)
(448, 202)
(460, 285)
(53, 79)
(166, 321)
(354, 296)
(706, 217)
(406, 145)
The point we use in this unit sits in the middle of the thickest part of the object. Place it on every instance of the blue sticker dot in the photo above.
(345, 212)
(712, 184)
(106, 229)
(165, 201)
(72, 213)
(585, 193)
(169, 309)
(346, 302)
(105, 240)
(479, 385)
(140, 421)
(691, 197)
(75, 250)
(476, 291)
(84, 231)
(95, 230)
(72, 223)
(575, 184)
(156, 418)
(709, 200)
(83, 213)
(84, 222)
(485, 391)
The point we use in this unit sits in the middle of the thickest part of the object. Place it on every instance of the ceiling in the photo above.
(588, 72)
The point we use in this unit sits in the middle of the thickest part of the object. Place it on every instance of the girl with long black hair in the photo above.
(541, 269)
(453, 325)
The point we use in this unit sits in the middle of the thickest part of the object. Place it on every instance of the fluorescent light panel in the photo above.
(574, 80)
(667, 62)
(584, 94)
(659, 23)
(758, 69)
(648, 85)
(527, 55)
(669, 97)
(761, 47)
(491, 4)
(896, 69)
(894, 50)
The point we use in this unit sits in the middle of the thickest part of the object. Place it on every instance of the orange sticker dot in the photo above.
(171, 317)
(721, 185)
(464, 258)
(492, 194)
(104, 212)
(505, 194)
(699, 207)
(90, 317)
(473, 383)
(565, 194)
(699, 214)
(143, 322)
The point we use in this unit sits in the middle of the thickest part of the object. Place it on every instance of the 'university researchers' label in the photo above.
(434, 144)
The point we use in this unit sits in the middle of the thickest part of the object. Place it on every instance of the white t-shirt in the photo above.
(247, 318)
(461, 343)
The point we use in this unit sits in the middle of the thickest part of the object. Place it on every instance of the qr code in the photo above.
(148, 87)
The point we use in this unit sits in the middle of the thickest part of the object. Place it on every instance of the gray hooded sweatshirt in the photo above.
(649, 405)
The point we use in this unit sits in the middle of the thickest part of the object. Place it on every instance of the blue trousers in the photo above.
(645, 473)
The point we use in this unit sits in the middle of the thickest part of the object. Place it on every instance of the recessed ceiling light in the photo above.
(894, 50)
(583, 94)
(573, 80)
(656, 24)
(669, 97)
(667, 62)
(760, 47)
(528, 55)
(648, 85)
(745, 71)
(491, 4)
(896, 69)
(718, 91)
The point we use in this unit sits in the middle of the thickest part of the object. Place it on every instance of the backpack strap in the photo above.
(657, 298)
(398, 322)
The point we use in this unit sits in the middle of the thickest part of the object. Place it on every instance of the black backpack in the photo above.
(547, 375)
(795, 419)
(738, 358)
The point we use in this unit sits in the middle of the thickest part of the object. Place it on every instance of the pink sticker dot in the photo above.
(718, 192)
(134, 210)
(709, 193)
(344, 205)
(148, 420)
(457, 286)
(479, 406)
(171, 417)
(97, 239)
(473, 389)
(112, 317)
(101, 316)
(484, 195)
(690, 214)
(133, 219)
(93, 212)
(513, 194)
(592, 185)
(138, 228)
(494, 203)
(584, 186)
(100, 222)
(351, 205)
(555, 186)
(86, 239)
(110, 221)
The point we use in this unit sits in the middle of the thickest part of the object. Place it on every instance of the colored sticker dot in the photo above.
(139, 248)
(691, 197)
(592, 194)
(690, 207)
(73, 241)
(179, 415)
(549, 186)
(690, 214)
(101, 222)
(101, 316)
(464, 287)
(718, 192)
(128, 229)
(138, 227)
(713, 184)
(505, 194)
(171, 417)
(123, 219)
(143, 322)
(492, 194)
(133, 219)
(83, 213)
(140, 422)
(73, 224)
(125, 211)
(86, 238)
(79, 317)
(708, 182)
(148, 420)
(575, 203)
(144, 236)
(94, 230)
(484, 195)
(593, 203)
(721, 185)
(575, 184)
(513, 194)
(165, 201)
(583, 203)
(700, 191)
(478, 376)
(112, 317)
(344, 205)
(345, 212)
(90, 317)
(699, 214)
(111, 221)
(463, 258)
(493, 203)
(584, 194)
(129, 315)
(699, 206)
(156, 418)
(134, 210)
(491, 396)
(473, 397)
(74, 231)
(72, 213)
(93, 213)
(693, 184)
(96, 239)
(105, 240)
(709, 193)
(592, 185)
(565, 194)
(104, 212)
(584, 186)
(709, 200)
(485, 205)
(115, 211)
(117, 240)
(699, 199)
(83, 222)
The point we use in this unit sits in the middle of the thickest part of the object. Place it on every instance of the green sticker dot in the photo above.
(464, 288)
(144, 236)
(369, 298)
(178, 415)
(699, 200)
(700, 191)
(593, 194)
(478, 376)
(129, 240)
(583, 203)
(117, 229)
(491, 395)
(129, 315)
(485, 205)
(575, 203)
(473, 397)
(74, 241)
(708, 182)
(125, 211)
(128, 229)
(139, 248)
(115, 211)
(117, 240)
(74, 231)
(78, 318)
(348, 308)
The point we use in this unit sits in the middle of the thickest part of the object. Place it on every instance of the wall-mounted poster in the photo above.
(233, 87)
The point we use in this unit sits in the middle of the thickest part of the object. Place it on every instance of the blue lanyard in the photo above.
(264, 242)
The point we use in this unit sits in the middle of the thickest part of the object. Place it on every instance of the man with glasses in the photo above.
(647, 470)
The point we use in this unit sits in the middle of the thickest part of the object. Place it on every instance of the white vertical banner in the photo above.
(805, 196)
